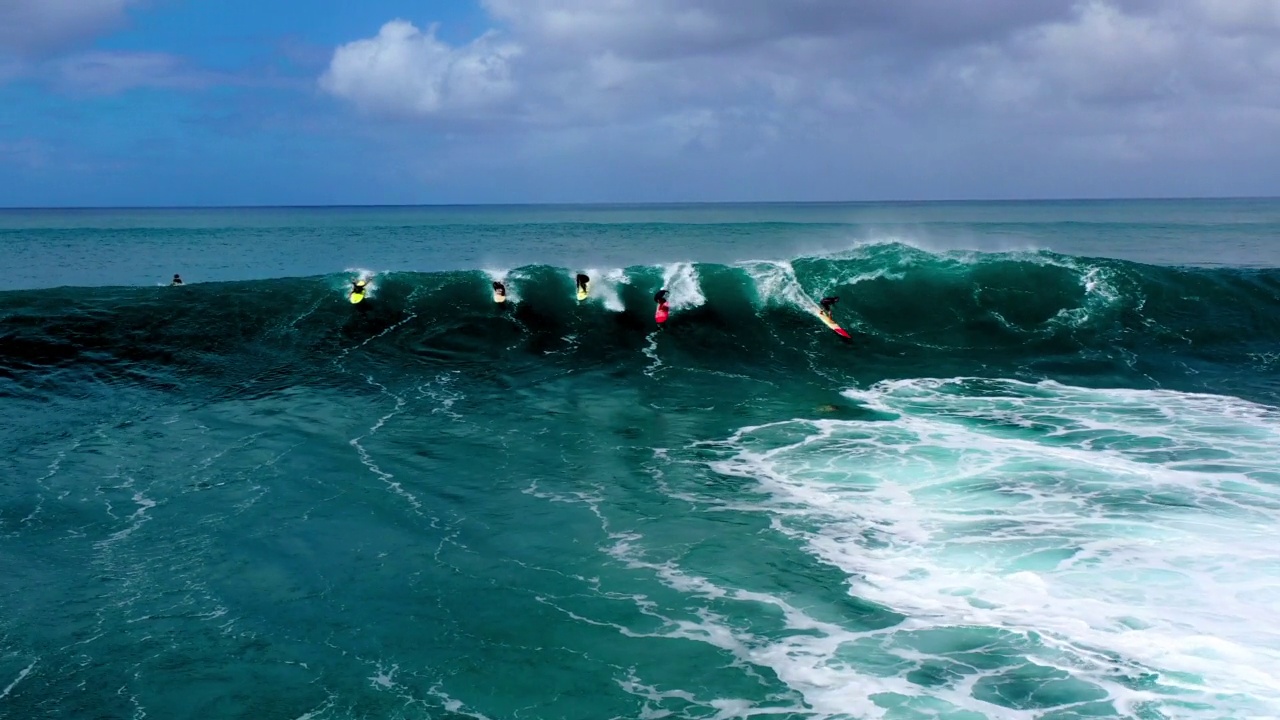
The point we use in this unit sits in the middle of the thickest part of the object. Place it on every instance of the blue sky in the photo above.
(185, 102)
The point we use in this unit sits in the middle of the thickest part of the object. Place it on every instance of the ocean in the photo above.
(1040, 480)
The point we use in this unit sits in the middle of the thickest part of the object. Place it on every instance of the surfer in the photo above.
(824, 312)
(499, 292)
(357, 289)
(176, 280)
(582, 281)
(663, 310)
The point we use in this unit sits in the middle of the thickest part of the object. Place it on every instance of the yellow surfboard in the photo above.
(829, 322)
(583, 292)
(356, 297)
(499, 297)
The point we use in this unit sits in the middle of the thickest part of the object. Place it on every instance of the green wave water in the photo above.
(1034, 484)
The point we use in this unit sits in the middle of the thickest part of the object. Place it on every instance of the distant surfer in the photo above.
(177, 280)
(499, 292)
(826, 303)
(583, 284)
(663, 311)
(357, 290)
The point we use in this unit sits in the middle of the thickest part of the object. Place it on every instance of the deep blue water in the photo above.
(1039, 481)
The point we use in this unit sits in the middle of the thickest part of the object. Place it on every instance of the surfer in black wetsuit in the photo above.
(826, 303)
(358, 287)
(499, 291)
(582, 282)
(663, 311)
(176, 280)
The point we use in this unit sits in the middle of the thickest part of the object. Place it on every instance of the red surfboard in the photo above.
(826, 319)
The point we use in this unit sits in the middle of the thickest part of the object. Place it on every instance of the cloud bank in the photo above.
(902, 87)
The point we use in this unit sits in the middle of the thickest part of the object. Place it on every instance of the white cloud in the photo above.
(30, 27)
(1074, 84)
(404, 71)
(1107, 59)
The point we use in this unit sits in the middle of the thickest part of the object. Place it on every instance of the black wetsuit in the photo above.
(582, 282)
(660, 297)
(827, 302)
(500, 289)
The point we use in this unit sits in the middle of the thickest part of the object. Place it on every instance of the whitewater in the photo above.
(1040, 481)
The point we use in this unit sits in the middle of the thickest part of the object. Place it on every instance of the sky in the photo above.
(317, 102)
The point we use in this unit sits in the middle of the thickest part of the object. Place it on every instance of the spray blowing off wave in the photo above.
(1021, 314)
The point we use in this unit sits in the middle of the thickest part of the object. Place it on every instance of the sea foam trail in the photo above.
(1123, 539)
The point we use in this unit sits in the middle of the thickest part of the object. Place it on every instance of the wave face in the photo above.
(1017, 315)
(1031, 485)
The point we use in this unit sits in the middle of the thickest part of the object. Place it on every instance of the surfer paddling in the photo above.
(663, 311)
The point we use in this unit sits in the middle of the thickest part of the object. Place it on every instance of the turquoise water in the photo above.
(1040, 481)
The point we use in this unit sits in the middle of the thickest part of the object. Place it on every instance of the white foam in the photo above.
(681, 283)
(502, 276)
(650, 351)
(444, 392)
(366, 458)
(605, 286)
(776, 284)
(1128, 531)
(21, 675)
(370, 278)
(808, 659)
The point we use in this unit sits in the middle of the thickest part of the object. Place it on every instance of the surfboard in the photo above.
(826, 319)
(584, 291)
(355, 298)
(662, 313)
(499, 297)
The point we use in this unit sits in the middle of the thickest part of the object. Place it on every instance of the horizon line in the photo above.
(638, 204)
